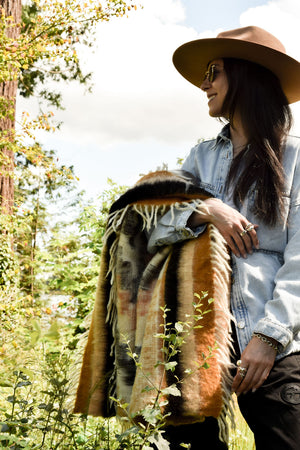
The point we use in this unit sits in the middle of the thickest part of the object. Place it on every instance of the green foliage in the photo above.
(42, 49)
(46, 47)
(241, 438)
(34, 411)
(39, 186)
(73, 257)
(9, 269)
(36, 385)
(34, 75)
(37, 415)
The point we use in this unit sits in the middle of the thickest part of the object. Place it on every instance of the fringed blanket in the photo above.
(135, 287)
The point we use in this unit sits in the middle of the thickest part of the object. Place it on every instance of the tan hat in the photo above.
(250, 43)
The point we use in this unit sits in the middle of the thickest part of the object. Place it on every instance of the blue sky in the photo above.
(213, 14)
(142, 113)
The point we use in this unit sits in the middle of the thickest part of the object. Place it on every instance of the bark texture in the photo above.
(8, 91)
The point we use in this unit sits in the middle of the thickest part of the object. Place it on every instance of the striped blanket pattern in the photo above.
(135, 288)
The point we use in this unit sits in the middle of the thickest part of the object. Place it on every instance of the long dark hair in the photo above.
(256, 94)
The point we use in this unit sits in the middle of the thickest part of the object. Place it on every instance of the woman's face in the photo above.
(215, 84)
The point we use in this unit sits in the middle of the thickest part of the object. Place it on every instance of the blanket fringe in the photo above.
(221, 266)
(150, 214)
(74, 370)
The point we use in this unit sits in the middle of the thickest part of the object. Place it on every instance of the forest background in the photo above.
(52, 230)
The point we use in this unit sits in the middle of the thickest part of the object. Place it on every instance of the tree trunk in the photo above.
(8, 91)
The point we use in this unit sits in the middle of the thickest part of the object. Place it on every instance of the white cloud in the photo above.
(166, 11)
(138, 94)
(281, 18)
(139, 99)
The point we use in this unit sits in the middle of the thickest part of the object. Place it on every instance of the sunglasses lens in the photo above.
(210, 73)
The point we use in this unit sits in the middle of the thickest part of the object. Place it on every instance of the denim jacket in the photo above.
(265, 295)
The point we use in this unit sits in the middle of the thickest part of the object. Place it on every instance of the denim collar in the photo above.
(224, 134)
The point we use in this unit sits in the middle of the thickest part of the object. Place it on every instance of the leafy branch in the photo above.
(173, 337)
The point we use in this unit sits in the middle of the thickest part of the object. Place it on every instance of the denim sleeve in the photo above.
(282, 312)
(172, 228)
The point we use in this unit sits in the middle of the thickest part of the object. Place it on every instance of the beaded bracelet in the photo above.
(266, 340)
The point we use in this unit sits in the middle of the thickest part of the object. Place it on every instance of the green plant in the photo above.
(9, 268)
(35, 387)
(72, 256)
(147, 425)
(241, 438)
(34, 408)
(42, 190)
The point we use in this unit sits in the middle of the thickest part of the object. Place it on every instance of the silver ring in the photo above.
(242, 233)
(249, 227)
(242, 371)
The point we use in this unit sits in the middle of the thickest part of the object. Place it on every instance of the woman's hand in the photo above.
(257, 359)
(231, 224)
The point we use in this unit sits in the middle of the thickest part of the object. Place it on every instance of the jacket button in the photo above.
(241, 324)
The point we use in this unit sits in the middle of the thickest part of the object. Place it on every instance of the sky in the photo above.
(142, 113)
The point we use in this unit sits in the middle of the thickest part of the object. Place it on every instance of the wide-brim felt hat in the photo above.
(250, 43)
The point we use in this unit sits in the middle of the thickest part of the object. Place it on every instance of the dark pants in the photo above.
(201, 436)
(273, 411)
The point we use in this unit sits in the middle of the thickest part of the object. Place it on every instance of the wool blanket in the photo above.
(137, 289)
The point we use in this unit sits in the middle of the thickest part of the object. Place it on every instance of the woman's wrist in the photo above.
(267, 340)
(203, 214)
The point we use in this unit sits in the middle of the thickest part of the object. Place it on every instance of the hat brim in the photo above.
(191, 60)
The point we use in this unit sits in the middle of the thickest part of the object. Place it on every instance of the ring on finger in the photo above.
(242, 233)
(249, 227)
(242, 371)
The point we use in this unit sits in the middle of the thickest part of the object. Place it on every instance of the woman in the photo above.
(252, 169)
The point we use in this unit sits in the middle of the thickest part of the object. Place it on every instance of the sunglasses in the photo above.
(211, 73)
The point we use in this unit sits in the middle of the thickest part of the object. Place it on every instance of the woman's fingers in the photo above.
(246, 239)
(254, 367)
(239, 233)
(236, 250)
(249, 237)
(242, 243)
(253, 379)
(253, 235)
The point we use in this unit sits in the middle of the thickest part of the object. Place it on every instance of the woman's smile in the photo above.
(216, 88)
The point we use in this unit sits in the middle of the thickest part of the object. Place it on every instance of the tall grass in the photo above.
(35, 386)
(241, 438)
